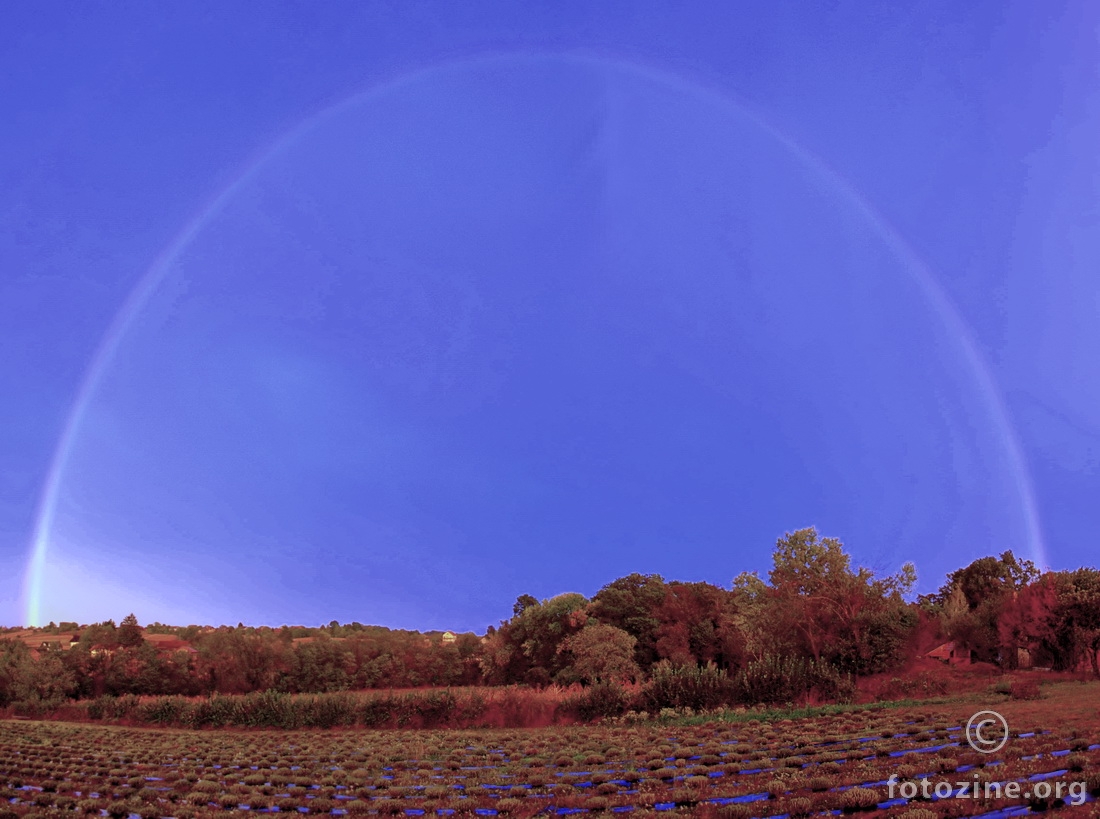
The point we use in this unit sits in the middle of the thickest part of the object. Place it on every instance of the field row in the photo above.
(792, 768)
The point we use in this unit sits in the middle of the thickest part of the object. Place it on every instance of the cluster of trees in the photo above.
(814, 605)
(110, 660)
(813, 611)
(1007, 613)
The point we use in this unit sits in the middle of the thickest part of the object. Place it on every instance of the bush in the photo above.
(778, 679)
(773, 680)
(377, 711)
(327, 710)
(216, 712)
(685, 686)
(735, 811)
(509, 805)
(830, 683)
(435, 708)
(163, 710)
(799, 806)
(118, 810)
(856, 799)
(1092, 782)
(1002, 686)
(599, 701)
(269, 709)
(1025, 690)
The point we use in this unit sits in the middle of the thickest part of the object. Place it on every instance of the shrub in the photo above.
(327, 710)
(735, 811)
(776, 788)
(686, 686)
(269, 709)
(856, 799)
(1002, 686)
(830, 683)
(799, 806)
(435, 707)
(775, 679)
(163, 710)
(215, 712)
(118, 810)
(600, 701)
(1025, 690)
(375, 712)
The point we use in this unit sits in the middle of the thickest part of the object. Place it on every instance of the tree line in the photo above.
(815, 622)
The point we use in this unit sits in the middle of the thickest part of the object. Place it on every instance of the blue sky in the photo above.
(393, 312)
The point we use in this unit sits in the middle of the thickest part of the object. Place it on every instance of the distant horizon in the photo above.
(912, 599)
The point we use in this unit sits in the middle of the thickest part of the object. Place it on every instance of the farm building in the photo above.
(38, 641)
(951, 653)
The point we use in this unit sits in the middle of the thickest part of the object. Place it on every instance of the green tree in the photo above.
(323, 664)
(843, 615)
(100, 635)
(601, 653)
(631, 603)
(15, 659)
(1076, 624)
(524, 601)
(698, 626)
(129, 633)
(752, 602)
(988, 585)
(25, 678)
(525, 648)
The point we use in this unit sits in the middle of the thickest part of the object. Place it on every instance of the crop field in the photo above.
(732, 766)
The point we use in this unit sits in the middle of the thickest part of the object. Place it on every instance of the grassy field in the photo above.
(831, 759)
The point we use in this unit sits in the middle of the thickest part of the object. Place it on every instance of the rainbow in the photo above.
(952, 322)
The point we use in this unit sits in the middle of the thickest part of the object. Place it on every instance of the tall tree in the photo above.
(130, 634)
(631, 603)
(525, 648)
(600, 652)
(840, 614)
(697, 626)
(988, 584)
(1077, 622)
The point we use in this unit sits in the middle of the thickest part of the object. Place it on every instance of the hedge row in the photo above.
(768, 681)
